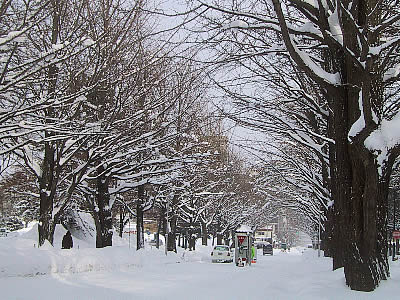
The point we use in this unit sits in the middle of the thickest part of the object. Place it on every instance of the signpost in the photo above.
(396, 235)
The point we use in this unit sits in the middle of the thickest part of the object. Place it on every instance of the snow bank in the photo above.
(20, 256)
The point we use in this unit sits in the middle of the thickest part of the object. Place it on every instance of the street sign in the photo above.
(396, 234)
(241, 238)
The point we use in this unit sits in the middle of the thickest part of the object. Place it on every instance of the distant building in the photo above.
(266, 231)
(265, 234)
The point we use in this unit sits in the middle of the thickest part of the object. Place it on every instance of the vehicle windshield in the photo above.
(221, 248)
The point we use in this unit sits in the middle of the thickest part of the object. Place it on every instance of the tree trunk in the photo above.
(368, 264)
(48, 179)
(327, 240)
(331, 225)
(139, 219)
(226, 238)
(204, 234)
(219, 238)
(159, 225)
(173, 221)
(46, 222)
(103, 212)
(172, 234)
(192, 243)
(121, 221)
(219, 234)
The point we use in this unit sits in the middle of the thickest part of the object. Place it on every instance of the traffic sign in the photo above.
(396, 234)
(241, 239)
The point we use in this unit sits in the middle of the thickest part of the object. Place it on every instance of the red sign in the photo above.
(241, 238)
(396, 234)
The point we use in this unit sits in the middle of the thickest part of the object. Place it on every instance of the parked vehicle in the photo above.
(259, 242)
(221, 253)
(154, 243)
(268, 249)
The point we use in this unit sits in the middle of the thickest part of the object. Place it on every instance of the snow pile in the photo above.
(20, 256)
(244, 228)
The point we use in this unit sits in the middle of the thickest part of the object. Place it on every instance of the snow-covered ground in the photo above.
(121, 273)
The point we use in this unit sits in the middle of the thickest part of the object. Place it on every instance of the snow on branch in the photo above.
(236, 24)
(302, 58)
(383, 140)
(392, 73)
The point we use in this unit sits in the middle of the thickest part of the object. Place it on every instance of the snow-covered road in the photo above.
(293, 275)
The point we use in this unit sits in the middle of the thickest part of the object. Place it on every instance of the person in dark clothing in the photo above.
(67, 241)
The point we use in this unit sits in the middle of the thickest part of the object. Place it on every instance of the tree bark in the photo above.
(219, 234)
(173, 221)
(204, 234)
(46, 181)
(139, 218)
(48, 178)
(121, 221)
(102, 214)
(159, 226)
(192, 240)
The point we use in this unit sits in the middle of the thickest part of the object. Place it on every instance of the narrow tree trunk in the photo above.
(172, 234)
(121, 221)
(226, 238)
(186, 237)
(103, 214)
(328, 234)
(46, 222)
(192, 243)
(173, 221)
(204, 234)
(219, 234)
(139, 219)
(191, 239)
(159, 225)
(48, 180)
